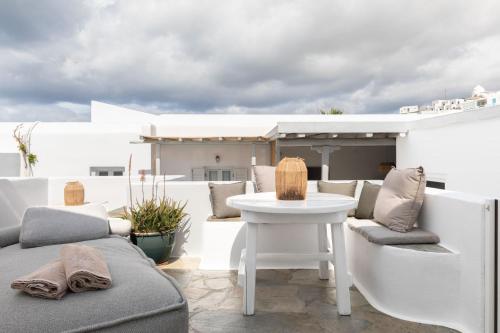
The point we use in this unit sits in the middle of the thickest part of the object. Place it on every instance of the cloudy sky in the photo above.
(242, 56)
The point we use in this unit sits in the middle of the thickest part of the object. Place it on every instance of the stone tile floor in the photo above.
(286, 301)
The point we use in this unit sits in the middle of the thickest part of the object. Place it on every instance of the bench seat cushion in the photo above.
(141, 299)
(378, 234)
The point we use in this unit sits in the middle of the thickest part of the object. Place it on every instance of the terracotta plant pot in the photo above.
(74, 194)
(291, 179)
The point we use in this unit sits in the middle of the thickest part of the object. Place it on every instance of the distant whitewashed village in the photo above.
(479, 98)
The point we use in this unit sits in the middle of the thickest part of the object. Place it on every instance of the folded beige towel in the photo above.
(85, 268)
(48, 281)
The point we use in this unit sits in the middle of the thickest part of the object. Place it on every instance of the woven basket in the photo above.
(291, 179)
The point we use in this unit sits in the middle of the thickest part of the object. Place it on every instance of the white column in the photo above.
(158, 159)
(325, 152)
(253, 162)
(325, 163)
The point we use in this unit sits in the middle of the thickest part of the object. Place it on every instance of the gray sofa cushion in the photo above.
(9, 235)
(45, 226)
(367, 201)
(218, 195)
(348, 189)
(142, 299)
(400, 199)
(12, 205)
(265, 178)
(378, 234)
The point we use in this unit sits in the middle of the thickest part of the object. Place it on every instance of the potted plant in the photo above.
(155, 221)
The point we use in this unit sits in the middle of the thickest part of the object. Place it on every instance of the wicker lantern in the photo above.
(74, 194)
(291, 179)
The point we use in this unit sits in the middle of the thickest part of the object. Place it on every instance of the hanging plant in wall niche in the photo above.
(23, 139)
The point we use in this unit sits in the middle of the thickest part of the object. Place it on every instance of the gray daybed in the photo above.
(141, 299)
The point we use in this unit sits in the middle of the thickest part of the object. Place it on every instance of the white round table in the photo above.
(318, 208)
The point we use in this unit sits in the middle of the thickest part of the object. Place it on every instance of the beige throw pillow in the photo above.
(367, 201)
(265, 178)
(400, 199)
(347, 189)
(218, 195)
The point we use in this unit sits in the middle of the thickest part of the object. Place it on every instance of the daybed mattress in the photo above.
(142, 298)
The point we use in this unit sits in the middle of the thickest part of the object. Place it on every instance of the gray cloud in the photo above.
(240, 56)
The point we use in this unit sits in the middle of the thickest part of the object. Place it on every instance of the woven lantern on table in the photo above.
(291, 179)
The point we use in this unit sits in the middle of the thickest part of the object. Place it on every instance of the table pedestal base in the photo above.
(249, 256)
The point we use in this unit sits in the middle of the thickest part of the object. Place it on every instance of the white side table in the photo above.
(318, 208)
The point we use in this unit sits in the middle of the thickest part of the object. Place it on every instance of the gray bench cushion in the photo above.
(142, 298)
(381, 235)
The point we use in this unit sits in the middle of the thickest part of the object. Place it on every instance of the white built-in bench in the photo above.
(448, 284)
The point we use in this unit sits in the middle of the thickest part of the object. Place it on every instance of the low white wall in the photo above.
(111, 191)
(219, 244)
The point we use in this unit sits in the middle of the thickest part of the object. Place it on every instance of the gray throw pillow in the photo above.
(218, 195)
(9, 235)
(265, 177)
(400, 199)
(348, 189)
(46, 226)
(367, 200)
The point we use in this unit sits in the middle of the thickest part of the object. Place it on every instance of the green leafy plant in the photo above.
(163, 216)
(331, 111)
(156, 215)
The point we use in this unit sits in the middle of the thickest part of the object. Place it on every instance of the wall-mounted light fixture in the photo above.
(217, 158)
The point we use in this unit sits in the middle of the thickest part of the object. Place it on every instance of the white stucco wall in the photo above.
(461, 151)
(179, 159)
(70, 149)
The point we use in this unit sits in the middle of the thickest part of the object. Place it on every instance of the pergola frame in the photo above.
(316, 137)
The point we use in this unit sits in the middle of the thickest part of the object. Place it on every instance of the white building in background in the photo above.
(441, 105)
(482, 98)
(408, 109)
(479, 98)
